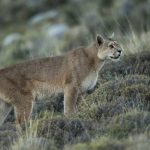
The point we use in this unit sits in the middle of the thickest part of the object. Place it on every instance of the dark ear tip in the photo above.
(99, 39)
(98, 36)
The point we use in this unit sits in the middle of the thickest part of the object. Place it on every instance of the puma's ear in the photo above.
(99, 40)
(112, 36)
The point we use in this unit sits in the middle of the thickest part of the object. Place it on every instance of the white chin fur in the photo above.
(115, 60)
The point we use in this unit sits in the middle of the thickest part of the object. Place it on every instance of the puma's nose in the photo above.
(119, 50)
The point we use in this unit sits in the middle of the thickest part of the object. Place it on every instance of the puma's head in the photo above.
(108, 49)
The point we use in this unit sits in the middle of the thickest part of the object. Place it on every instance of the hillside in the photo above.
(116, 114)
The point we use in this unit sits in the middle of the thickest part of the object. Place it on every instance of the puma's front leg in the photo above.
(70, 98)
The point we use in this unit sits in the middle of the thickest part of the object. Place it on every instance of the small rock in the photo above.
(57, 30)
(41, 17)
(9, 39)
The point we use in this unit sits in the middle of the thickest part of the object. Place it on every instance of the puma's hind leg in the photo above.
(23, 111)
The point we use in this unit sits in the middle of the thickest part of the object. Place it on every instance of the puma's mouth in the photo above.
(116, 57)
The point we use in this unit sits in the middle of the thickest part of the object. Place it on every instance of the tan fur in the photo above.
(73, 73)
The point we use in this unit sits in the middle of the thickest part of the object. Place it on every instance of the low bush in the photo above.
(115, 97)
(66, 131)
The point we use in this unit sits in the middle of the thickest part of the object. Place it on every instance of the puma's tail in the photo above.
(4, 111)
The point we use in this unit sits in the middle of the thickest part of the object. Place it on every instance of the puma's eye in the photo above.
(111, 46)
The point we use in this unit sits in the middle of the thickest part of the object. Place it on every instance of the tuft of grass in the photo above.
(28, 138)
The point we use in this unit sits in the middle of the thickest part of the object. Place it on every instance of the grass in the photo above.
(107, 118)
(137, 142)
(116, 115)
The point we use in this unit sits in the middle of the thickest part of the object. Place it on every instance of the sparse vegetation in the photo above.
(116, 115)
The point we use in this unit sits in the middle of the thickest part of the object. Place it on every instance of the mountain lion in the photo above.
(72, 73)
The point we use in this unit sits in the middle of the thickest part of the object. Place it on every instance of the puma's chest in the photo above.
(89, 82)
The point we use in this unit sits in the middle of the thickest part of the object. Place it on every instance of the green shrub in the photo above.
(116, 96)
(132, 122)
(65, 131)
